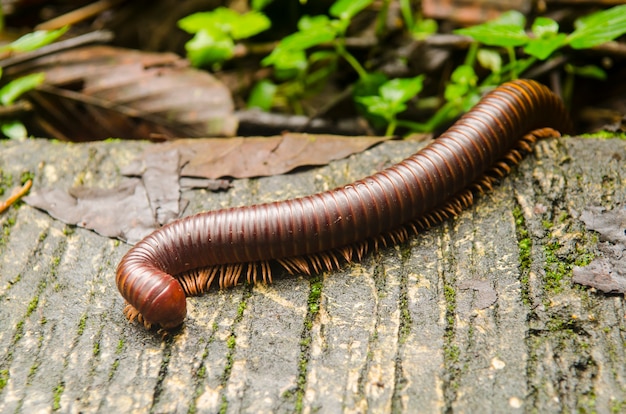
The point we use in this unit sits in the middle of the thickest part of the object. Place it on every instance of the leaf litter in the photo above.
(150, 195)
(608, 272)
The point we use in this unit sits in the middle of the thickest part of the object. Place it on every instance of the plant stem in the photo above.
(341, 50)
(407, 14)
(511, 52)
(391, 127)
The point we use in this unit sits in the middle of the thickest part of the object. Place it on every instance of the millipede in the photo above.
(319, 232)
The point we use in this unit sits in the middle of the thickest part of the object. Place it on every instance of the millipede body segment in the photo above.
(317, 232)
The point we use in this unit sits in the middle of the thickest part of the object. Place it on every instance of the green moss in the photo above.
(25, 176)
(120, 346)
(452, 353)
(114, 367)
(32, 371)
(241, 309)
(555, 269)
(313, 307)
(19, 331)
(618, 406)
(224, 405)
(4, 378)
(96, 349)
(231, 342)
(524, 245)
(6, 181)
(82, 323)
(58, 392)
(7, 225)
(604, 135)
(32, 306)
(406, 321)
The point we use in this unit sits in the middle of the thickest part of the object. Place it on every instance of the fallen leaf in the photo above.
(257, 156)
(130, 211)
(151, 195)
(119, 212)
(98, 92)
(607, 273)
(610, 224)
(604, 274)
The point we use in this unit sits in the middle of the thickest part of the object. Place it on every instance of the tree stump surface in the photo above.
(478, 314)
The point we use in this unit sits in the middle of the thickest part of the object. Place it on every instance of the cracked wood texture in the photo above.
(478, 314)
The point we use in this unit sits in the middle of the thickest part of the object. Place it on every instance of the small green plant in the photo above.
(391, 100)
(11, 91)
(302, 74)
(305, 60)
(508, 32)
(215, 33)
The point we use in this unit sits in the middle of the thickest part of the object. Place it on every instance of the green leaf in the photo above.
(542, 48)
(312, 22)
(250, 24)
(207, 48)
(506, 31)
(262, 95)
(347, 9)
(463, 80)
(35, 40)
(401, 90)
(376, 105)
(287, 59)
(14, 129)
(598, 28)
(490, 59)
(424, 28)
(12, 90)
(544, 27)
(306, 39)
(455, 91)
(226, 21)
(260, 4)
(587, 71)
(504, 36)
(298, 42)
(510, 18)
(464, 75)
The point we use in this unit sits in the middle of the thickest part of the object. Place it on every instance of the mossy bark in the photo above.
(478, 314)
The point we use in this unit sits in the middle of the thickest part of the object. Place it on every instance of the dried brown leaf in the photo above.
(607, 273)
(98, 92)
(258, 156)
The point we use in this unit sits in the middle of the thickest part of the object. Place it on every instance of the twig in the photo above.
(17, 194)
(78, 15)
(99, 36)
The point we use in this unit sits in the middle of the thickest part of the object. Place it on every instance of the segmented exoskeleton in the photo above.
(319, 231)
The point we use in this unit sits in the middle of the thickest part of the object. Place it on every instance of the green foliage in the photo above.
(391, 99)
(215, 33)
(598, 28)
(544, 39)
(262, 94)
(303, 61)
(11, 91)
(34, 40)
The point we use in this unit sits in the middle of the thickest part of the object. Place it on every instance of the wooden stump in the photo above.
(478, 314)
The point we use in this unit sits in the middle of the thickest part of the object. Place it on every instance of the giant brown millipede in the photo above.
(316, 232)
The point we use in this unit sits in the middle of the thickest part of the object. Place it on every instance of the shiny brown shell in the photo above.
(316, 232)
